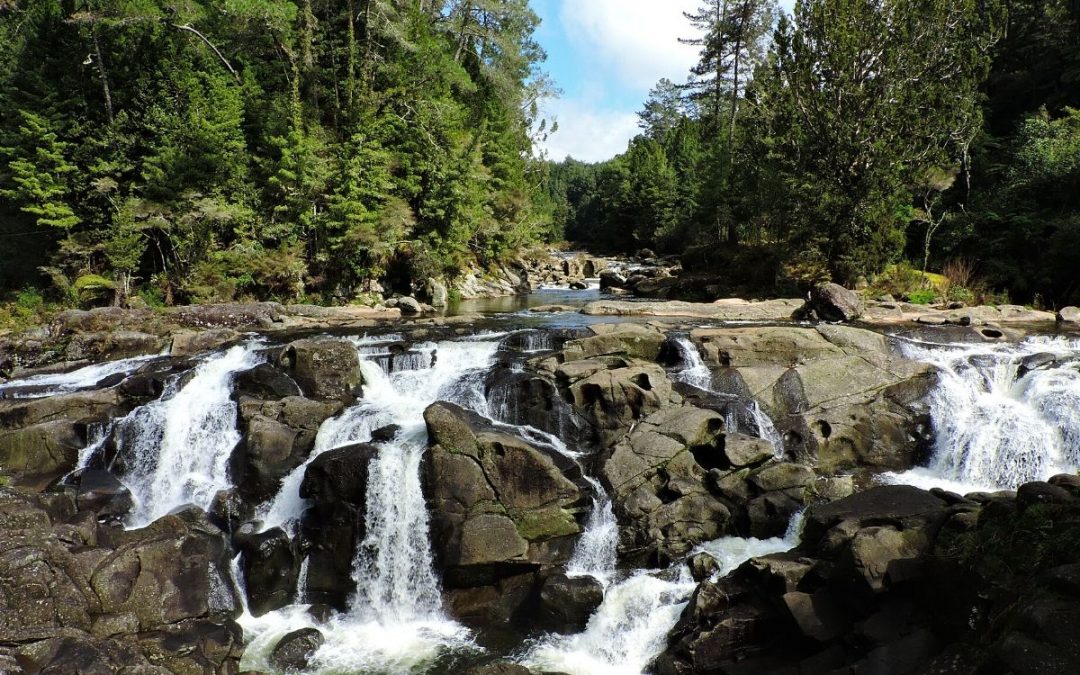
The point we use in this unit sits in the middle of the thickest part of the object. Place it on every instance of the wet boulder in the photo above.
(78, 597)
(657, 476)
(611, 395)
(270, 567)
(293, 652)
(43, 436)
(839, 397)
(326, 369)
(103, 493)
(266, 382)
(277, 436)
(611, 279)
(500, 506)
(566, 603)
(190, 342)
(336, 484)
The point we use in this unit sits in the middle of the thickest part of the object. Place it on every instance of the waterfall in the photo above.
(998, 424)
(52, 384)
(178, 447)
(596, 552)
(395, 623)
(694, 371)
(766, 430)
(630, 627)
(301, 581)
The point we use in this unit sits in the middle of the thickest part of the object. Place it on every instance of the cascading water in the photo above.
(178, 447)
(395, 623)
(1003, 415)
(694, 371)
(596, 552)
(766, 430)
(630, 627)
(89, 377)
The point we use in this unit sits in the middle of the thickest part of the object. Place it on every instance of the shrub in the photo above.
(923, 296)
(93, 289)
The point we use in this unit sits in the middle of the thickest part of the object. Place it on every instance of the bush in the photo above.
(923, 296)
(899, 280)
(94, 289)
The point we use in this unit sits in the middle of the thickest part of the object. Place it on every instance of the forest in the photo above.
(184, 151)
(857, 138)
(207, 150)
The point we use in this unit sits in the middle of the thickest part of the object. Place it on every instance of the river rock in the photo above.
(895, 580)
(277, 436)
(611, 279)
(270, 567)
(567, 603)
(1069, 315)
(838, 396)
(228, 315)
(325, 369)
(120, 344)
(102, 493)
(43, 436)
(437, 294)
(499, 505)
(110, 599)
(833, 302)
(293, 652)
(336, 483)
(190, 343)
(657, 478)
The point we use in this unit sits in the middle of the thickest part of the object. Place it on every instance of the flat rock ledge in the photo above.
(722, 310)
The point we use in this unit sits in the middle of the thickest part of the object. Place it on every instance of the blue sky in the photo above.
(605, 55)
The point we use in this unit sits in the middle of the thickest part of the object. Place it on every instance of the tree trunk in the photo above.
(99, 61)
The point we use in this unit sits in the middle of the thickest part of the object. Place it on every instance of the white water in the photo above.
(694, 372)
(766, 430)
(697, 374)
(596, 552)
(180, 444)
(395, 623)
(993, 429)
(630, 627)
(40, 386)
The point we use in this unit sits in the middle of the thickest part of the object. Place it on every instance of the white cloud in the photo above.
(634, 40)
(587, 132)
(623, 47)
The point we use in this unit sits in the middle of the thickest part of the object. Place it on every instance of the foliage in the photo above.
(218, 149)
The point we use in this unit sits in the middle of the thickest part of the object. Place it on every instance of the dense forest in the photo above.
(170, 151)
(855, 135)
(201, 150)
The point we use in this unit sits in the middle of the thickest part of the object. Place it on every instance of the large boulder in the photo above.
(270, 566)
(1069, 315)
(566, 603)
(294, 651)
(838, 396)
(336, 484)
(43, 436)
(83, 597)
(833, 302)
(657, 479)
(326, 369)
(898, 580)
(277, 437)
(499, 504)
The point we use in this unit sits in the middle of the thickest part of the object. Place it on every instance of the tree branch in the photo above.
(189, 28)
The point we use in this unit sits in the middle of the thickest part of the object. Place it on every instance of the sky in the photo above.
(605, 56)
